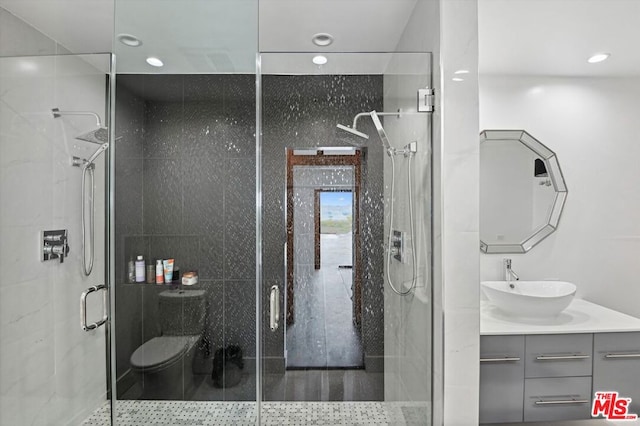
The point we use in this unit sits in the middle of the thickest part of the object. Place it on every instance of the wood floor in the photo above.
(323, 334)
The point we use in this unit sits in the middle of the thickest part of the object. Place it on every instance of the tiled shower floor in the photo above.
(184, 413)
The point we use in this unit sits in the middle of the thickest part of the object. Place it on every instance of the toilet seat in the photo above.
(160, 352)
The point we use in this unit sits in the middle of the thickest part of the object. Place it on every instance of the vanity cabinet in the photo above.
(565, 360)
(616, 365)
(535, 377)
(501, 378)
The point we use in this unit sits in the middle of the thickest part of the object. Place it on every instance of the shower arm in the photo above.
(368, 114)
(57, 113)
(398, 114)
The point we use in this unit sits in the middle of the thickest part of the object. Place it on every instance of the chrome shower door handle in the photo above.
(274, 308)
(83, 308)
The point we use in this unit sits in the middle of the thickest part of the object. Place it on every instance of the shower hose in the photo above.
(88, 267)
(411, 225)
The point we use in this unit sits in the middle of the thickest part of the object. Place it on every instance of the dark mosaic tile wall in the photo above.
(185, 188)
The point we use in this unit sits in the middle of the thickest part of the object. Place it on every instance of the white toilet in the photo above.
(163, 364)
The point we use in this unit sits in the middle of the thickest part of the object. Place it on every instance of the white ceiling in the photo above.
(555, 37)
(552, 37)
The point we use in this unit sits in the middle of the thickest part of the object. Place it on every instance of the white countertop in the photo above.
(580, 317)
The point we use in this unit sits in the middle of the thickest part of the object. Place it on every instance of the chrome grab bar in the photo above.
(274, 308)
(504, 359)
(563, 402)
(83, 308)
(561, 357)
(628, 355)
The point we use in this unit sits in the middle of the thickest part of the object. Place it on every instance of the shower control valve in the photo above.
(54, 245)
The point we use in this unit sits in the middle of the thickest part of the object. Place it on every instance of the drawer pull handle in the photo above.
(564, 402)
(634, 355)
(503, 359)
(560, 357)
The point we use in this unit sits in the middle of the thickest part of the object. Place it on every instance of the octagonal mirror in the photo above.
(522, 191)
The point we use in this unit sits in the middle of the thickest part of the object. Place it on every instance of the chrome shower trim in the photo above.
(57, 113)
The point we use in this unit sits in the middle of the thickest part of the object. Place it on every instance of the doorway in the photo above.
(323, 266)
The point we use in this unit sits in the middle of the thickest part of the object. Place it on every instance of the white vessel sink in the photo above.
(536, 299)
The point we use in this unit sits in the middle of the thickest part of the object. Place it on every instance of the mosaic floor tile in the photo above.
(205, 413)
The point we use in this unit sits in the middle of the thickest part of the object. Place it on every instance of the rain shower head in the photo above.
(99, 136)
(352, 136)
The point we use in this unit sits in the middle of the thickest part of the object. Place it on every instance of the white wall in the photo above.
(592, 125)
(51, 372)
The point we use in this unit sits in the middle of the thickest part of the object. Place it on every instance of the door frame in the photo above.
(320, 159)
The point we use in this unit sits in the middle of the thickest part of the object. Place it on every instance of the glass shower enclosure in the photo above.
(285, 219)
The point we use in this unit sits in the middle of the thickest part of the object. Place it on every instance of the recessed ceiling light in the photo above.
(462, 72)
(457, 79)
(319, 60)
(154, 62)
(598, 57)
(129, 40)
(322, 39)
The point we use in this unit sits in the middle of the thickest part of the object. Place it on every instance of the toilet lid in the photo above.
(160, 351)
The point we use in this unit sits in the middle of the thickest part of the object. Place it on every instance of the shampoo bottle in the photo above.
(140, 269)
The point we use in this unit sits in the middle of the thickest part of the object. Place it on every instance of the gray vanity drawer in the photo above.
(558, 355)
(501, 378)
(616, 365)
(561, 398)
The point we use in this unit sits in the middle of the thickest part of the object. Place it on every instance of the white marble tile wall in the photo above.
(51, 372)
(591, 124)
(460, 254)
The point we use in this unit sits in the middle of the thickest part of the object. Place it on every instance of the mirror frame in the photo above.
(557, 179)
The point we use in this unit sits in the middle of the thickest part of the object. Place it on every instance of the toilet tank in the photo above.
(181, 312)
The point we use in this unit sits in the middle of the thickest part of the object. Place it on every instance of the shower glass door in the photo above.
(52, 371)
(184, 190)
(345, 324)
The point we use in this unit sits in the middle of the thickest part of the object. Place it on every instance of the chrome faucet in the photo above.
(509, 273)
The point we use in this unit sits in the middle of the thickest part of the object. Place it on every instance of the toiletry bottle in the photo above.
(159, 272)
(151, 273)
(140, 269)
(131, 271)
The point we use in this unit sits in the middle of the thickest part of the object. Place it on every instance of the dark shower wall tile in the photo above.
(204, 130)
(163, 87)
(240, 315)
(215, 314)
(204, 179)
(211, 256)
(163, 193)
(129, 120)
(185, 250)
(240, 216)
(128, 196)
(163, 125)
(240, 113)
(205, 87)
